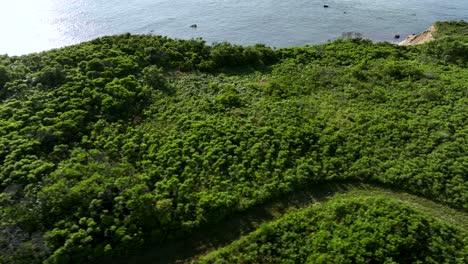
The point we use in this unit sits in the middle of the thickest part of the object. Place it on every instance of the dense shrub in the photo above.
(349, 230)
(126, 140)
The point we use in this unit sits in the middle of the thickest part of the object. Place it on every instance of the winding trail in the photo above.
(218, 235)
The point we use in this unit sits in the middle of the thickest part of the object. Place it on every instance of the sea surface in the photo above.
(28, 26)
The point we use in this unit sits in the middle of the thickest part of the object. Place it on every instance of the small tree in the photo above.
(4, 76)
(153, 76)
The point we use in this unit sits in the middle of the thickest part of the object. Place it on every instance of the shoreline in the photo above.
(421, 38)
(410, 40)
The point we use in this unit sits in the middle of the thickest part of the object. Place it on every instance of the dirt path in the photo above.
(222, 234)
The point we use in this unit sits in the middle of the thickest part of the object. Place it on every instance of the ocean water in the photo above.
(35, 25)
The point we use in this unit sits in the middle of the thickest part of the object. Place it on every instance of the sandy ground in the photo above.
(421, 38)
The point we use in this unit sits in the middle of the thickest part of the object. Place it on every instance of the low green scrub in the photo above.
(123, 141)
(349, 230)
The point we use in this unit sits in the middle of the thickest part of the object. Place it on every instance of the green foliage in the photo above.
(128, 140)
(4, 75)
(153, 76)
(349, 230)
(451, 28)
(449, 50)
(451, 46)
(228, 55)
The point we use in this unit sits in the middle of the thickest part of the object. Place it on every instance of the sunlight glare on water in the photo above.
(36, 25)
(25, 26)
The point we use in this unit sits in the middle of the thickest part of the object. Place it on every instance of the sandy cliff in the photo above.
(421, 38)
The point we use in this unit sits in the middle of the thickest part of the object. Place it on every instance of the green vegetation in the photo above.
(349, 230)
(451, 46)
(451, 29)
(127, 141)
(213, 237)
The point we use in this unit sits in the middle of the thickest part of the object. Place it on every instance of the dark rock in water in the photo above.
(194, 26)
(325, 6)
(397, 36)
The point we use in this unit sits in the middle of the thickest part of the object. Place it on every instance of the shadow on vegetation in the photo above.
(211, 237)
(244, 71)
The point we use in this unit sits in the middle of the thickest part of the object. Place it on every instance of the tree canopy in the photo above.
(130, 140)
